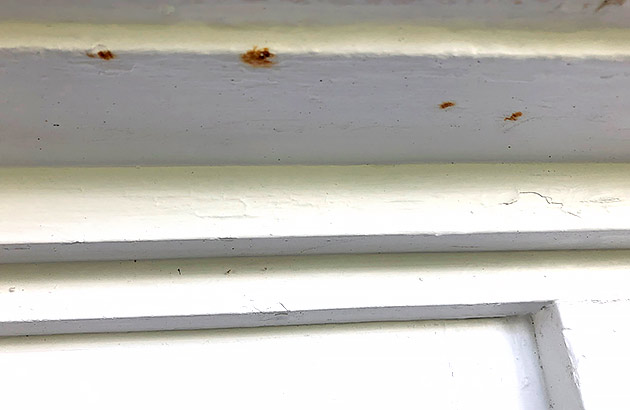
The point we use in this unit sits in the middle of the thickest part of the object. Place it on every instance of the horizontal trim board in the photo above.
(373, 105)
(269, 318)
(252, 290)
(463, 40)
(502, 13)
(144, 213)
(325, 245)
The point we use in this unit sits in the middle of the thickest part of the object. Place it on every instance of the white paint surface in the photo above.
(139, 213)
(162, 107)
(551, 14)
(597, 335)
(484, 364)
(38, 298)
(556, 357)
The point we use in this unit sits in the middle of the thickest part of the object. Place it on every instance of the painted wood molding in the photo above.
(362, 91)
(145, 213)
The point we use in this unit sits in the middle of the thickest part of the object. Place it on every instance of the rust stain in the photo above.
(447, 104)
(514, 116)
(258, 57)
(103, 55)
(606, 3)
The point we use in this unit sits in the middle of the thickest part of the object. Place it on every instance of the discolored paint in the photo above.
(514, 116)
(102, 54)
(258, 57)
(606, 3)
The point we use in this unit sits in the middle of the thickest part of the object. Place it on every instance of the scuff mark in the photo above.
(516, 124)
(607, 3)
(604, 200)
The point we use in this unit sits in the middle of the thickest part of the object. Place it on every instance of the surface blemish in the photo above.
(102, 54)
(447, 104)
(605, 3)
(258, 57)
(514, 116)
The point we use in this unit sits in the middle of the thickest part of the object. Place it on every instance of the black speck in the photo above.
(55, 125)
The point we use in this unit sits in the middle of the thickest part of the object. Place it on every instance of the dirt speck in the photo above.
(102, 54)
(606, 3)
(514, 116)
(258, 57)
(447, 104)
(227, 272)
(12, 289)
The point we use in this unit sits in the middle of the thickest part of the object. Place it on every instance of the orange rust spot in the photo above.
(103, 54)
(447, 104)
(514, 116)
(609, 3)
(258, 57)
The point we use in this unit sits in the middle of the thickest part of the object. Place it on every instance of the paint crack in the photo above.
(547, 199)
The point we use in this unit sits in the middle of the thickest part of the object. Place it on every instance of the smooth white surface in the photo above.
(484, 364)
(260, 209)
(597, 334)
(35, 298)
(355, 39)
(551, 14)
